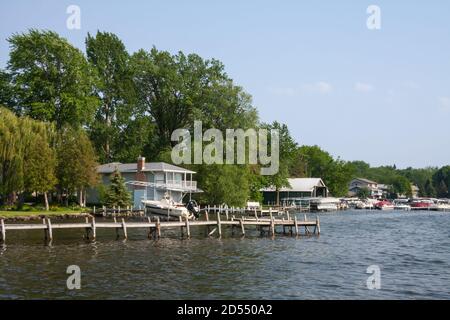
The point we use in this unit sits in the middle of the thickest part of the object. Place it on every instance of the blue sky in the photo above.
(382, 96)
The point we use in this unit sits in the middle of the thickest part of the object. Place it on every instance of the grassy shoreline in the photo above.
(31, 215)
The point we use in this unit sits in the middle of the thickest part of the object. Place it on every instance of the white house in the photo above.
(148, 180)
(360, 183)
(299, 188)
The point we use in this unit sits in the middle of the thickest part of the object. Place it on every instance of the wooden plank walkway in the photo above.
(155, 226)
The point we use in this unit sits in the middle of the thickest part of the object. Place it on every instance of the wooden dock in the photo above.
(288, 225)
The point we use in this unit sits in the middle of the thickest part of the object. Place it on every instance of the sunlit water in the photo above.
(412, 250)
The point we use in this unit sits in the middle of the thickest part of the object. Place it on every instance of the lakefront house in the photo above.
(147, 181)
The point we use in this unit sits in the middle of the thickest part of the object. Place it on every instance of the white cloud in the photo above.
(320, 87)
(444, 103)
(363, 87)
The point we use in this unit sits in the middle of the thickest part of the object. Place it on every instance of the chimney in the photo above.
(140, 175)
(140, 164)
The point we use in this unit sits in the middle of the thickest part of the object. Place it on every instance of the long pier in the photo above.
(290, 225)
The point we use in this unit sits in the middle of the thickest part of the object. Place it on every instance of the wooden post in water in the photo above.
(219, 226)
(49, 230)
(318, 225)
(296, 225)
(124, 227)
(270, 213)
(158, 227)
(94, 233)
(149, 228)
(3, 231)
(306, 227)
(272, 227)
(188, 229)
(87, 230)
(242, 227)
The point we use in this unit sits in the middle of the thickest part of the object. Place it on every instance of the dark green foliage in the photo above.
(117, 194)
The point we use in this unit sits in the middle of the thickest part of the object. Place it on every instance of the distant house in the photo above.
(414, 191)
(147, 180)
(299, 188)
(360, 183)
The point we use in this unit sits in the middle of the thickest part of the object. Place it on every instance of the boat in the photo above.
(422, 204)
(167, 207)
(402, 204)
(441, 205)
(324, 204)
(384, 205)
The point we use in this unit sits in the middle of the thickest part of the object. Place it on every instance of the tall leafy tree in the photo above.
(39, 160)
(51, 79)
(11, 156)
(441, 182)
(76, 163)
(177, 89)
(6, 90)
(117, 116)
(287, 153)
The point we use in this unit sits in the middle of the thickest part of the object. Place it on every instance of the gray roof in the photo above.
(365, 180)
(132, 167)
(300, 185)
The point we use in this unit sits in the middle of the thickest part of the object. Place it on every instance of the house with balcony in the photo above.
(360, 183)
(148, 181)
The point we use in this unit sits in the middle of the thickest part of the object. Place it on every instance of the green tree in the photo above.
(223, 184)
(287, 153)
(39, 160)
(177, 89)
(428, 190)
(6, 90)
(117, 116)
(11, 156)
(76, 164)
(441, 181)
(364, 193)
(117, 194)
(51, 79)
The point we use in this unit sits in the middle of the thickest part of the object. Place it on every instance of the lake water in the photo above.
(412, 250)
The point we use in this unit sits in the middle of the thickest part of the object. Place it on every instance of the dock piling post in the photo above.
(49, 229)
(158, 227)
(3, 231)
(149, 229)
(124, 227)
(94, 233)
(272, 227)
(188, 229)
(296, 225)
(219, 226)
(318, 225)
(242, 227)
(87, 229)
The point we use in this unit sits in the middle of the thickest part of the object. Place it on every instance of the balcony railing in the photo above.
(170, 184)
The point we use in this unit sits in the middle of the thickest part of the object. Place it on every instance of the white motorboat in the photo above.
(402, 204)
(441, 205)
(169, 208)
(324, 204)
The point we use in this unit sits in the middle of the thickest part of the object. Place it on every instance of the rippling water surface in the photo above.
(411, 249)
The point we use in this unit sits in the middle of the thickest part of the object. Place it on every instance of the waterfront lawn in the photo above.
(36, 213)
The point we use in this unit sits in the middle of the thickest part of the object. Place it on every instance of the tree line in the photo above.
(66, 110)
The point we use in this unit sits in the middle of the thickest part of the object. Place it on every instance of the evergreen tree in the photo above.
(117, 194)
(429, 190)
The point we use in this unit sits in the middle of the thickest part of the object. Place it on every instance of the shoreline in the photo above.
(32, 216)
